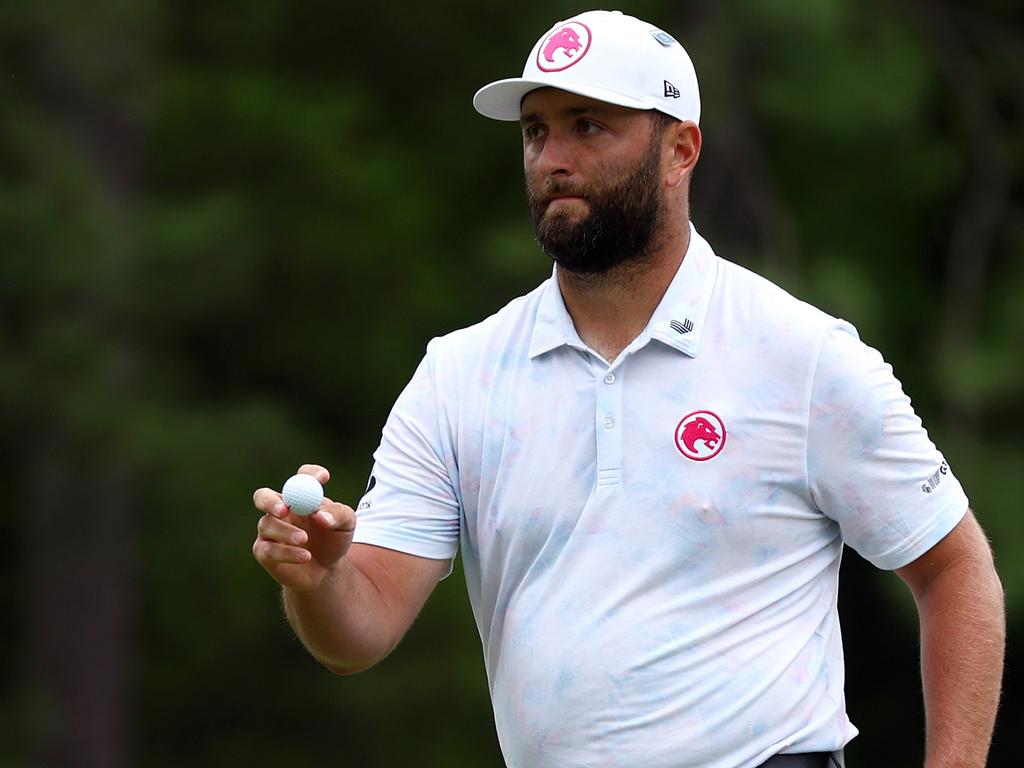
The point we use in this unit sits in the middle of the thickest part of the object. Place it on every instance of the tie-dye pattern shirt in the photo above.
(652, 546)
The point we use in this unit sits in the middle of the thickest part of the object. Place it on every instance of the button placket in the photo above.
(609, 427)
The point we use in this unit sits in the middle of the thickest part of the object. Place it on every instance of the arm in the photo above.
(963, 631)
(364, 606)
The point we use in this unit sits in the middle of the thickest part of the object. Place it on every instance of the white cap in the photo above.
(607, 56)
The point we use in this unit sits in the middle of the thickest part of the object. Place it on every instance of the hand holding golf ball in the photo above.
(302, 534)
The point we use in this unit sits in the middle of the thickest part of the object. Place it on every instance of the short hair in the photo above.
(660, 121)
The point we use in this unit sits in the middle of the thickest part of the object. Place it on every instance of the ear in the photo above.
(682, 142)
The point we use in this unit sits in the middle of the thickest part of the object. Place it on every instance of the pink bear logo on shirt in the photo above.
(704, 428)
(699, 429)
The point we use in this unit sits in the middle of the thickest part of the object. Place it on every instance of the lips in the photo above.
(560, 192)
(564, 205)
(563, 196)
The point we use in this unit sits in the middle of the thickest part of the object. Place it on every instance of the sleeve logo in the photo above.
(932, 482)
(366, 501)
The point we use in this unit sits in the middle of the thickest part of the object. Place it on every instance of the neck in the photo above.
(611, 309)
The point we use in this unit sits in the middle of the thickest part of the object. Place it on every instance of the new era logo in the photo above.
(681, 328)
(671, 92)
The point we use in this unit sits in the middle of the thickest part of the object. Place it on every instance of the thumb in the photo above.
(335, 517)
(331, 530)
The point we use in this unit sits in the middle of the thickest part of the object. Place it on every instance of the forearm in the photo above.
(345, 623)
(963, 632)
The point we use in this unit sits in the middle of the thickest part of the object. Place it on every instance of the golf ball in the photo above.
(303, 494)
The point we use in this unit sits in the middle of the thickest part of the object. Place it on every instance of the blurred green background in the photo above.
(227, 232)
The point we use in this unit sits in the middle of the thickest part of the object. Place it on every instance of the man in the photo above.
(651, 463)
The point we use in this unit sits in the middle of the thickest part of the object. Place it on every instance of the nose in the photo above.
(555, 157)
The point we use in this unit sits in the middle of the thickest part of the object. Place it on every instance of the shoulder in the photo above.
(752, 310)
(504, 335)
(747, 295)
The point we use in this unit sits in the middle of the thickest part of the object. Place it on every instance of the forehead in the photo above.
(551, 103)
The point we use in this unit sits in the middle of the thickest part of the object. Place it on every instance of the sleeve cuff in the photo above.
(926, 537)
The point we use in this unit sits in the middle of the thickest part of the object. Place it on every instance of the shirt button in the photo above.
(609, 379)
(609, 422)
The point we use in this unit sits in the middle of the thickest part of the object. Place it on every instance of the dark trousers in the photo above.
(816, 760)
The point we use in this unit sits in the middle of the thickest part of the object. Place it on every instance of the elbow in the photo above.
(349, 666)
(342, 670)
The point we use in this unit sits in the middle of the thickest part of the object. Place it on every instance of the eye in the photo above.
(533, 131)
(588, 127)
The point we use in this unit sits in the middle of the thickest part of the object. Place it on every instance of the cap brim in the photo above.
(501, 99)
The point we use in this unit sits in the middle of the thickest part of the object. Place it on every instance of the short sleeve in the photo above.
(870, 464)
(410, 503)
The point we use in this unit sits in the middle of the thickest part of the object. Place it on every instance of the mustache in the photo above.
(553, 189)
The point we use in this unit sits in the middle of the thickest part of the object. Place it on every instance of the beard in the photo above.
(618, 228)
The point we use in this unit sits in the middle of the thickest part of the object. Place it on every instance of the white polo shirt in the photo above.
(652, 546)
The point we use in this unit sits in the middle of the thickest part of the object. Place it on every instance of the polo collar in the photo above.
(680, 317)
(553, 327)
(677, 322)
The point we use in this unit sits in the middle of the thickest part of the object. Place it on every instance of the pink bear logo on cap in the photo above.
(566, 39)
(564, 47)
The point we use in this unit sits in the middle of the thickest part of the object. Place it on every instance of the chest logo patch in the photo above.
(700, 436)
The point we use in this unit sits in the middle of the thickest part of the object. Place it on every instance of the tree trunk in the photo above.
(81, 505)
(82, 591)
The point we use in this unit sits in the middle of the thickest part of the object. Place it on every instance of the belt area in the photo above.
(807, 760)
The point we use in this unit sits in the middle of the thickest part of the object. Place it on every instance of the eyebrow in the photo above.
(535, 117)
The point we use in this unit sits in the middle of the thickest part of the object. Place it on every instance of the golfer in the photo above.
(651, 465)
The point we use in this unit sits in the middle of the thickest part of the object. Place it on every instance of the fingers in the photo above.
(269, 502)
(273, 529)
(270, 554)
(281, 548)
(320, 473)
(279, 542)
